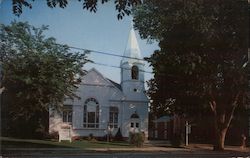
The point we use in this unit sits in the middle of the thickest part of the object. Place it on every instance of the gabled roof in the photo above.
(163, 119)
(115, 84)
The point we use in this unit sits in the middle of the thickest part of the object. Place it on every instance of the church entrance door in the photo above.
(134, 123)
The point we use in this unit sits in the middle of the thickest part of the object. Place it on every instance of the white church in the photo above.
(105, 106)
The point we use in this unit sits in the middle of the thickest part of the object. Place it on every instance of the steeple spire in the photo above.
(132, 49)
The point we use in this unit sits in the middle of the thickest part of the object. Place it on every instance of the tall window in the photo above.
(134, 72)
(113, 117)
(67, 113)
(91, 113)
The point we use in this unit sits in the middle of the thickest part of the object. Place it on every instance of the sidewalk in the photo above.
(197, 151)
(160, 147)
(142, 149)
(209, 148)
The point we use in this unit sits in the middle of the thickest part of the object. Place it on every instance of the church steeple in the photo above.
(132, 69)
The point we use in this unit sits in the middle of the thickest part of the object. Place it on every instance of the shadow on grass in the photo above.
(25, 144)
(124, 144)
(8, 142)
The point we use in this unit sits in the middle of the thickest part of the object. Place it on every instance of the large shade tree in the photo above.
(123, 7)
(37, 74)
(202, 64)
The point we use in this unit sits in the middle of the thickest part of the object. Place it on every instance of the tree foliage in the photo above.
(202, 61)
(38, 72)
(123, 7)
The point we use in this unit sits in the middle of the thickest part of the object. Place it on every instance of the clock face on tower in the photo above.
(136, 88)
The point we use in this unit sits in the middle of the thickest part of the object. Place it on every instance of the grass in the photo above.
(81, 144)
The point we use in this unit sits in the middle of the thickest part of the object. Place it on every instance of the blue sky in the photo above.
(100, 31)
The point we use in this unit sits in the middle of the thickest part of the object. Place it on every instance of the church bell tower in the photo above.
(132, 70)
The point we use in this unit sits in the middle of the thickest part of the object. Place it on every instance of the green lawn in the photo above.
(83, 144)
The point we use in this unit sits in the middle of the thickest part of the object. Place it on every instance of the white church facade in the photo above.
(105, 106)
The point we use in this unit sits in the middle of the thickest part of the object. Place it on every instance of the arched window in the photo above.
(91, 113)
(134, 72)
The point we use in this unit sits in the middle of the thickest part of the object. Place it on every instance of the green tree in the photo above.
(202, 61)
(37, 74)
(123, 7)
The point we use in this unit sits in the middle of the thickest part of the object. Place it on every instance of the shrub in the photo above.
(91, 137)
(108, 137)
(53, 136)
(118, 136)
(137, 139)
(176, 140)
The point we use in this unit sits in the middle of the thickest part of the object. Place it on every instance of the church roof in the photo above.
(163, 119)
(134, 115)
(98, 82)
(132, 49)
(116, 84)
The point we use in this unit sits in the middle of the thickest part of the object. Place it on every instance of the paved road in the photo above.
(126, 155)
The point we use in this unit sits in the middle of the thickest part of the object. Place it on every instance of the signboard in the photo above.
(65, 134)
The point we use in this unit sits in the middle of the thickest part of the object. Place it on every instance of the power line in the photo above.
(100, 52)
(110, 54)
(102, 64)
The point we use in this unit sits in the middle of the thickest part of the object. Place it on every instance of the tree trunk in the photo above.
(220, 139)
(222, 120)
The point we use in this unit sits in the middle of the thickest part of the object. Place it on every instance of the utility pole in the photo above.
(187, 131)
(108, 132)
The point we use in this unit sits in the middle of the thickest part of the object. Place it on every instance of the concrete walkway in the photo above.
(142, 149)
(144, 152)
(168, 148)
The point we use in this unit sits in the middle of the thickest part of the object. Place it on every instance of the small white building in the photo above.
(105, 105)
